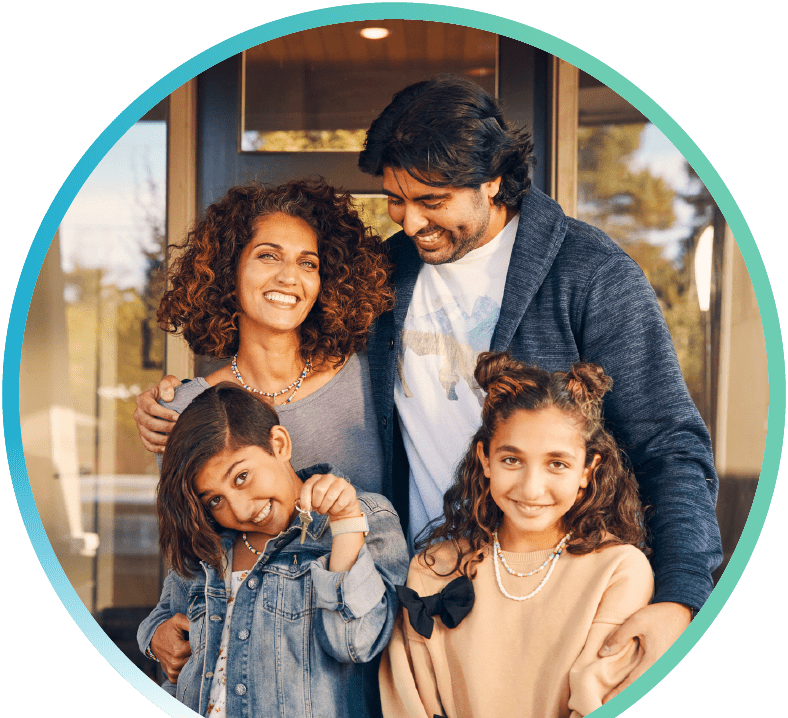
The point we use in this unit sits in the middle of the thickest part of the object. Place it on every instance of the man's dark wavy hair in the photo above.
(449, 132)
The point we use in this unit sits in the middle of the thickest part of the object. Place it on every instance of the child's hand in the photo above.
(328, 494)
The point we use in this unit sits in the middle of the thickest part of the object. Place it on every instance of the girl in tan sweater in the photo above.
(539, 556)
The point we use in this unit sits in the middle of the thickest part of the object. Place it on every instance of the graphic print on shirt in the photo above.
(432, 335)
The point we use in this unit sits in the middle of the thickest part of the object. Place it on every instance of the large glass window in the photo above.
(91, 345)
(637, 187)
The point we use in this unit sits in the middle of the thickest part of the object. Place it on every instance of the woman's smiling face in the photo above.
(278, 277)
(249, 489)
(536, 467)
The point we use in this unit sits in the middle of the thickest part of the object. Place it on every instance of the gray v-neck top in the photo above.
(333, 425)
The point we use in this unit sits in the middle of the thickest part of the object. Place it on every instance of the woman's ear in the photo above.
(589, 470)
(281, 446)
(485, 462)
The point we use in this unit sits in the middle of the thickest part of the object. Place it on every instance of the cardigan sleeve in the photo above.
(591, 679)
(651, 413)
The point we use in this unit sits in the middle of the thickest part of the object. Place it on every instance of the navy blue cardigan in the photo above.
(571, 293)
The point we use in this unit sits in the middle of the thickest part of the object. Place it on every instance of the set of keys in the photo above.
(305, 517)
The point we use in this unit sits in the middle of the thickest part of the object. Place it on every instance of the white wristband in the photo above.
(357, 524)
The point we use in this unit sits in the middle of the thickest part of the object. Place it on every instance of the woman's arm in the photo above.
(164, 633)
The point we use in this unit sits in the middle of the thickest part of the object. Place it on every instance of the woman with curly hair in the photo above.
(282, 282)
(539, 552)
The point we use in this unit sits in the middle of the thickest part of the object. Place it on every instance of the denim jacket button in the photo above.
(209, 674)
(243, 634)
(240, 689)
(391, 343)
(252, 583)
(293, 568)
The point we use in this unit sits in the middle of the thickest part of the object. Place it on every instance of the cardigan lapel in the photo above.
(540, 233)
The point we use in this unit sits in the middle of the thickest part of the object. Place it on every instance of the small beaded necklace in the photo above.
(249, 546)
(552, 560)
(273, 394)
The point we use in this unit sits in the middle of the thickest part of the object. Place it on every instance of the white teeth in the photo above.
(281, 298)
(429, 238)
(263, 514)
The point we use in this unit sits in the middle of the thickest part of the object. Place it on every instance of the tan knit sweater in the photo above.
(528, 659)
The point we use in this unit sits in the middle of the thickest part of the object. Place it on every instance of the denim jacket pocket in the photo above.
(287, 590)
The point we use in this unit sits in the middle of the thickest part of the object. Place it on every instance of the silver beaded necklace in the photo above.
(273, 394)
(552, 560)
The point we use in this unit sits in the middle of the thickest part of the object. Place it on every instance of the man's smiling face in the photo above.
(445, 223)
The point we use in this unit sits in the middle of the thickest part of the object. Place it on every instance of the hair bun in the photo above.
(588, 382)
(492, 366)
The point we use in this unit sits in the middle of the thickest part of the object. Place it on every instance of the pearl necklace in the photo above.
(249, 546)
(273, 394)
(552, 560)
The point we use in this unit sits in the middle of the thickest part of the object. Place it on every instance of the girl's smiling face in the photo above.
(249, 489)
(278, 278)
(536, 467)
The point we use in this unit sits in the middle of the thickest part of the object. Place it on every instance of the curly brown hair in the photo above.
(354, 271)
(608, 512)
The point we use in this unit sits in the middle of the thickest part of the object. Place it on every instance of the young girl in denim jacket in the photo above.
(538, 557)
(284, 616)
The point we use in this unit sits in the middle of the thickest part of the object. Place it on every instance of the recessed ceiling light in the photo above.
(374, 33)
(480, 71)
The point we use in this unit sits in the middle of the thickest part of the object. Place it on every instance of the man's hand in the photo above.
(656, 626)
(154, 422)
(170, 645)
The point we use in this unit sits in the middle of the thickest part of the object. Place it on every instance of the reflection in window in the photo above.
(320, 89)
(634, 185)
(91, 345)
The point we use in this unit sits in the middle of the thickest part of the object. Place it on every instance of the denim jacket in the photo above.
(303, 638)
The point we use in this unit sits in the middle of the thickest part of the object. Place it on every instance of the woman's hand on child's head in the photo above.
(329, 494)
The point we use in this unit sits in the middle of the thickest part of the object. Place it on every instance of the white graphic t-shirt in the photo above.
(450, 321)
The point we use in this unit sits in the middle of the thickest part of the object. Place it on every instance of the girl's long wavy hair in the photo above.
(354, 271)
(608, 511)
(225, 416)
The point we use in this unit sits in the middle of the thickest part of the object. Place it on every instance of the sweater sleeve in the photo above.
(651, 413)
(591, 679)
(408, 682)
(408, 686)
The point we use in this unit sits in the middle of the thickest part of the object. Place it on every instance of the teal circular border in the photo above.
(403, 11)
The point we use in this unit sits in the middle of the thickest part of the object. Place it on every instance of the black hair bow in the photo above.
(453, 603)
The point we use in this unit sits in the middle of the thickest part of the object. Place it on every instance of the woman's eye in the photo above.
(433, 206)
(214, 502)
(266, 255)
(557, 465)
(309, 264)
(241, 478)
(510, 460)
